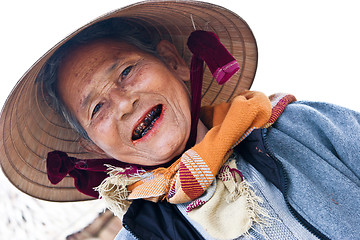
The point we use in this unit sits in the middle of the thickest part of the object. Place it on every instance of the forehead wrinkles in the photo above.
(82, 62)
(85, 68)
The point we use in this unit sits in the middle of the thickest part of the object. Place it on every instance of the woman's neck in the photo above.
(201, 131)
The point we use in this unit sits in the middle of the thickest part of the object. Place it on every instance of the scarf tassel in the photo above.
(114, 191)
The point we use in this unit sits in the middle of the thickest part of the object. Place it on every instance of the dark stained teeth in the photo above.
(145, 126)
(147, 120)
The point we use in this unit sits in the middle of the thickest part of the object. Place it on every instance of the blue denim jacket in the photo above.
(312, 155)
(318, 145)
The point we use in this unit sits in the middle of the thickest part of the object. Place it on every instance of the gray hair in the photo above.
(124, 30)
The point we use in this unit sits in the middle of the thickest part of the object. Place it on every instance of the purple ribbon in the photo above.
(87, 173)
(206, 46)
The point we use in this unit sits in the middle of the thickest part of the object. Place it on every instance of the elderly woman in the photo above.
(110, 110)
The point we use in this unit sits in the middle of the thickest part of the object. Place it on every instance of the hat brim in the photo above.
(31, 128)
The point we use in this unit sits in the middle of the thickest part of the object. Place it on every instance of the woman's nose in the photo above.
(123, 103)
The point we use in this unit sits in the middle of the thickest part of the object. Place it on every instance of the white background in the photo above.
(307, 48)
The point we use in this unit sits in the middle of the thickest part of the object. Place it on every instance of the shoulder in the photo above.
(318, 129)
(318, 116)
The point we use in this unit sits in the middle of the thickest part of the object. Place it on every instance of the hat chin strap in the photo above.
(207, 47)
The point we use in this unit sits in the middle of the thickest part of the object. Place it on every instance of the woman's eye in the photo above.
(126, 71)
(96, 109)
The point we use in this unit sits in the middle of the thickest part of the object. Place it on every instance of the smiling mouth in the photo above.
(147, 122)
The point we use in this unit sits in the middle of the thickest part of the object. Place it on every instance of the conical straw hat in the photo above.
(30, 128)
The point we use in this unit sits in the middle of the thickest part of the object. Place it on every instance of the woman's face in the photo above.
(134, 107)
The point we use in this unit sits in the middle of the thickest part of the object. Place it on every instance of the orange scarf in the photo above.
(188, 177)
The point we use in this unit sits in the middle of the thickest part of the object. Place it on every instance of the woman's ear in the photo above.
(91, 147)
(173, 59)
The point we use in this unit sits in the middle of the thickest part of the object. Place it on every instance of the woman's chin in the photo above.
(160, 158)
